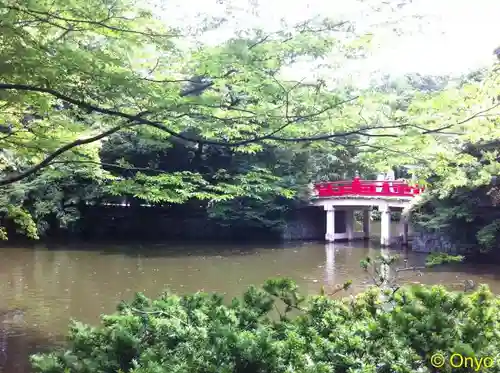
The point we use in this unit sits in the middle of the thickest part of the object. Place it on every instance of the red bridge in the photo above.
(340, 199)
(366, 188)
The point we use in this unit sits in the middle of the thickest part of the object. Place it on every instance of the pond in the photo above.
(42, 287)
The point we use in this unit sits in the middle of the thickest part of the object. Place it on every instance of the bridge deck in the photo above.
(358, 188)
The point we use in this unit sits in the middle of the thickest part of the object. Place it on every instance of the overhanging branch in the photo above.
(70, 22)
(46, 162)
(138, 119)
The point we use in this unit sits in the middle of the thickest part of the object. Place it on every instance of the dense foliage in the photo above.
(75, 73)
(466, 214)
(458, 162)
(103, 98)
(275, 329)
(104, 101)
(468, 217)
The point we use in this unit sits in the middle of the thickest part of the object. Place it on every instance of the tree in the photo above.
(464, 113)
(457, 162)
(76, 74)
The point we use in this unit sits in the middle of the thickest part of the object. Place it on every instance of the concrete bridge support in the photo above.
(405, 229)
(366, 223)
(349, 224)
(385, 227)
(341, 214)
(330, 223)
(348, 221)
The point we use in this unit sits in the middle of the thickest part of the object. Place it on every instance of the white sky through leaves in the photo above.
(435, 37)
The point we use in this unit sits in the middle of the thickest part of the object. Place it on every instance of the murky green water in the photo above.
(42, 288)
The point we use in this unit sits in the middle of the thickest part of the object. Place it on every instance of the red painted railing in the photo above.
(360, 187)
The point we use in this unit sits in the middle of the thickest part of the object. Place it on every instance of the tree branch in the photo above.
(70, 21)
(46, 162)
(111, 165)
(138, 119)
(360, 131)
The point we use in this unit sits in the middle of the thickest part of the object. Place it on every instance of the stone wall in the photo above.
(143, 223)
(428, 242)
(307, 223)
(156, 224)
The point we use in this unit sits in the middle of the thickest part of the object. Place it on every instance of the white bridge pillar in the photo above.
(330, 223)
(366, 224)
(404, 228)
(385, 228)
(344, 210)
(349, 224)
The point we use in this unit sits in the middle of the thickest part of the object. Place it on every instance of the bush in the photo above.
(381, 330)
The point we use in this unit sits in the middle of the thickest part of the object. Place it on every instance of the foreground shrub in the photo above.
(377, 331)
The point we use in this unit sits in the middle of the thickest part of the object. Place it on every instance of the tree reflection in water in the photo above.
(10, 322)
(18, 340)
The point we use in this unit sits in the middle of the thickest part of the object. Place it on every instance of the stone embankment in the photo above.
(434, 242)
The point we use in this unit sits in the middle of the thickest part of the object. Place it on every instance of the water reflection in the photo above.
(18, 341)
(41, 288)
(9, 319)
(330, 264)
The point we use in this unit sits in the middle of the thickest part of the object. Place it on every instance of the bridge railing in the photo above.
(383, 188)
